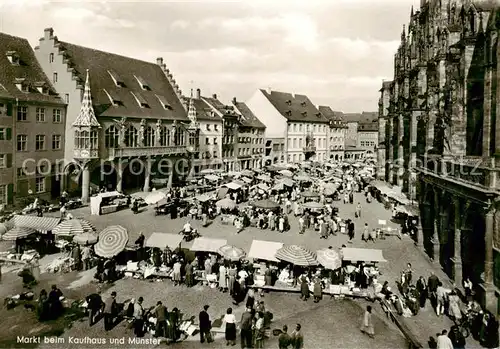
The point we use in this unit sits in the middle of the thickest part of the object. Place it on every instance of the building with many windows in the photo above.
(336, 133)
(210, 125)
(230, 125)
(442, 136)
(251, 137)
(368, 134)
(131, 130)
(296, 119)
(32, 124)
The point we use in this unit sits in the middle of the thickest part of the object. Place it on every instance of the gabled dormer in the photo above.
(288, 113)
(22, 85)
(143, 83)
(288, 102)
(303, 104)
(13, 57)
(42, 87)
(304, 114)
(119, 82)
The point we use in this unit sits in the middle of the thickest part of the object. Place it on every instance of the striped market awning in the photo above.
(18, 233)
(297, 255)
(42, 224)
(72, 227)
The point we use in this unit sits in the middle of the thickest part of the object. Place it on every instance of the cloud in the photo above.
(90, 17)
(336, 50)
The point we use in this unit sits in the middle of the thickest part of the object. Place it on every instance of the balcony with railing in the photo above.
(149, 151)
(470, 170)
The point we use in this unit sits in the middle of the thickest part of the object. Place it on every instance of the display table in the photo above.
(109, 209)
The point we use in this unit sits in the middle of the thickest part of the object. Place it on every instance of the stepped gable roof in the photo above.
(295, 107)
(138, 89)
(248, 117)
(25, 70)
(203, 111)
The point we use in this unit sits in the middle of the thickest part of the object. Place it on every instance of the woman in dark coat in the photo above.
(43, 306)
(189, 275)
(173, 325)
(268, 277)
(318, 292)
(304, 289)
(237, 292)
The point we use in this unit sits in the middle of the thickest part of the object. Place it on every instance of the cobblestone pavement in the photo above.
(397, 251)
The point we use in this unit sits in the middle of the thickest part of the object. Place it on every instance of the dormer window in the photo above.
(140, 100)
(113, 98)
(289, 113)
(303, 104)
(13, 57)
(116, 78)
(304, 113)
(42, 88)
(289, 102)
(144, 85)
(22, 85)
(318, 115)
(164, 103)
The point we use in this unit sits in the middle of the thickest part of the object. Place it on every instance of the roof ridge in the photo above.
(109, 53)
(14, 36)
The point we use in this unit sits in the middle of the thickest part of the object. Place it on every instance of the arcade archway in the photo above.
(73, 179)
(104, 176)
(134, 175)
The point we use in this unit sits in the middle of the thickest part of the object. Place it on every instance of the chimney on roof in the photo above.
(198, 93)
(48, 33)
(159, 61)
(268, 90)
(214, 96)
(234, 100)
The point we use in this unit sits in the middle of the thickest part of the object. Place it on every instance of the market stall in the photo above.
(162, 240)
(107, 202)
(264, 250)
(72, 227)
(231, 253)
(41, 224)
(204, 244)
(362, 255)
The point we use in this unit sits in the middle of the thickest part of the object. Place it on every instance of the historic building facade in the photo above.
(210, 124)
(294, 118)
(383, 110)
(141, 132)
(251, 137)
(336, 133)
(442, 136)
(32, 124)
(368, 134)
(230, 132)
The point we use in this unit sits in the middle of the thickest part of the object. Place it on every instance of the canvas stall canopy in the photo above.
(204, 244)
(362, 255)
(42, 224)
(162, 240)
(265, 250)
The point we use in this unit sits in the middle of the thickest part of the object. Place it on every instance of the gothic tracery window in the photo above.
(131, 137)
(149, 137)
(164, 136)
(111, 137)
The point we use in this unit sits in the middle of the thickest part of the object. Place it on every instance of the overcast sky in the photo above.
(335, 51)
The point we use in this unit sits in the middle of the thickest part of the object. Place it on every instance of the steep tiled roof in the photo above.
(352, 117)
(225, 110)
(364, 117)
(335, 116)
(249, 119)
(294, 107)
(106, 68)
(203, 111)
(27, 70)
(368, 121)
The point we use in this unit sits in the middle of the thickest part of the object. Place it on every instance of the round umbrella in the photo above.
(329, 258)
(112, 240)
(18, 233)
(3, 229)
(329, 192)
(313, 205)
(309, 194)
(287, 181)
(85, 239)
(266, 204)
(286, 173)
(247, 173)
(231, 253)
(73, 227)
(296, 255)
(155, 197)
(226, 203)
